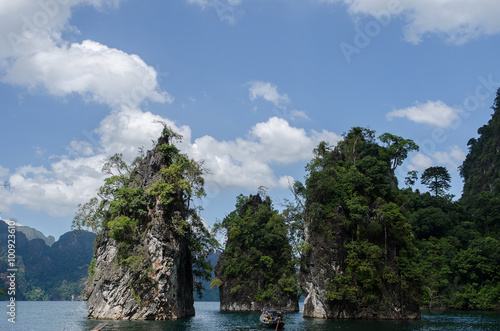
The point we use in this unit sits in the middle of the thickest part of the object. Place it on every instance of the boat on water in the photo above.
(272, 319)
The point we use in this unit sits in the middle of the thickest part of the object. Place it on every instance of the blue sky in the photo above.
(252, 85)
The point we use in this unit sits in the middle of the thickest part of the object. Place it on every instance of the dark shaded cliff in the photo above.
(481, 167)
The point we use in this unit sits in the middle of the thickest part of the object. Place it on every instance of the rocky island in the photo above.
(150, 240)
(359, 255)
(256, 267)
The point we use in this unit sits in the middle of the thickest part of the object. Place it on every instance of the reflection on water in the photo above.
(41, 316)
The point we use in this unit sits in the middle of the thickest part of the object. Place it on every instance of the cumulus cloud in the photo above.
(33, 55)
(435, 113)
(453, 158)
(268, 92)
(95, 71)
(246, 162)
(239, 163)
(56, 190)
(457, 21)
(4, 172)
(420, 162)
(450, 159)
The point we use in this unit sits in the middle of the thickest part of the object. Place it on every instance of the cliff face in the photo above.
(327, 294)
(255, 268)
(161, 291)
(143, 266)
(481, 167)
(359, 261)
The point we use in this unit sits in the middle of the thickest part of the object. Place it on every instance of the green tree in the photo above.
(437, 180)
(411, 178)
(397, 149)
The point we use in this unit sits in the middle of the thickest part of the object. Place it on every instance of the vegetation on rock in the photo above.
(360, 251)
(256, 266)
(146, 209)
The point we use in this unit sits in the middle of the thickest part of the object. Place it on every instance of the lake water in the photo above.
(50, 315)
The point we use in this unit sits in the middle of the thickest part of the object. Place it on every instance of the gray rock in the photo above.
(160, 287)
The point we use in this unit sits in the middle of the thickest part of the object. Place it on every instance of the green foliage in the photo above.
(257, 252)
(136, 296)
(122, 205)
(351, 198)
(92, 268)
(481, 167)
(216, 283)
(459, 240)
(459, 249)
(122, 228)
(431, 221)
(437, 180)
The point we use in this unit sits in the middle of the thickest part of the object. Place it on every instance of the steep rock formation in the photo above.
(324, 268)
(481, 167)
(359, 261)
(162, 291)
(143, 266)
(255, 268)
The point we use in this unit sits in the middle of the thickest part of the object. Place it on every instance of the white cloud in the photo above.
(296, 115)
(33, 55)
(4, 172)
(269, 92)
(458, 21)
(420, 162)
(452, 159)
(56, 190)
(435, 113)
(93, 70)
(247, 162)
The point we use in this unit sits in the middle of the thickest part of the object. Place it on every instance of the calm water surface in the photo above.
(40, 316)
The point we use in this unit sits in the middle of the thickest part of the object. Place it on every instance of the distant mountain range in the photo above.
(32, 233)
(56, 270)
(47, 269)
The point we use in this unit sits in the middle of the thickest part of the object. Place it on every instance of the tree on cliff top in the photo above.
(437, 180)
